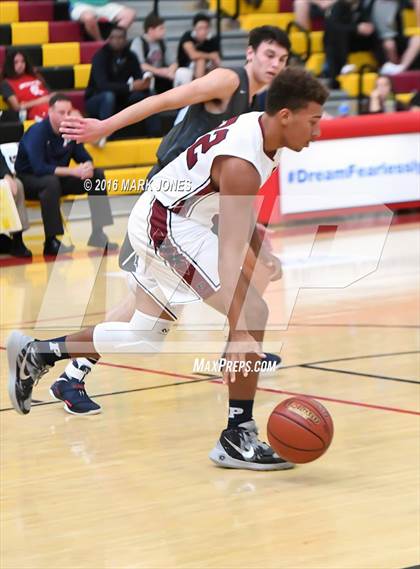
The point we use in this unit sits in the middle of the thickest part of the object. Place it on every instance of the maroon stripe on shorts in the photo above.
(182, 207)
(175, 258)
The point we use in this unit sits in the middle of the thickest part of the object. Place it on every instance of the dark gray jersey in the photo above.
(199, 121)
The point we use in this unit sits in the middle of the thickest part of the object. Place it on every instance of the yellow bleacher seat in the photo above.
(315, 63)
(409, 19)
(9, 12)
(299, 42)
(60, 54)
(81, 75)
(27, 124)
(3, 104)
(229, 6)
(129, 180)
(141, 152)
(251, 21)
(412, 31)
(350, 83)
(317, 40)
(360, 58)
(29, 32)
(404, 98)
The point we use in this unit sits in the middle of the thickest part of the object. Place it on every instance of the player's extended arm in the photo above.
(218, 84)
(239, 182)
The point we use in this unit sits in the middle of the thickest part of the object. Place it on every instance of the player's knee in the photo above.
(144, 334)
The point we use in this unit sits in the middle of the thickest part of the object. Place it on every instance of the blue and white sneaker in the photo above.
(73, 394)
(26, 367)
(272, 361)
(70, 388)
(241, 448)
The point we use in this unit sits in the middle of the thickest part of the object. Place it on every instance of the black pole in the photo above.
(219, 25)
(156, 7)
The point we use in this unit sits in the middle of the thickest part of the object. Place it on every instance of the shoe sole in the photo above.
(15, 343)
(222, 459)
(68, 410)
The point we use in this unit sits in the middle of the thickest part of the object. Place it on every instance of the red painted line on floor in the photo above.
(17, 324)
(266, 389)
(13, 261)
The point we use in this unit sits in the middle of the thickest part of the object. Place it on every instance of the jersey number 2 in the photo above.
(207, 141)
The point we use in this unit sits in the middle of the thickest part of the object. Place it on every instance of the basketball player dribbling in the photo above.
(220, 95)
(181, 260)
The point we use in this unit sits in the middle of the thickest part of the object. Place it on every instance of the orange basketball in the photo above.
(300, 429)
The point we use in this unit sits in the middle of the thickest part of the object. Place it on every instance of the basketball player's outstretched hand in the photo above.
(81, 129)
(241, 344)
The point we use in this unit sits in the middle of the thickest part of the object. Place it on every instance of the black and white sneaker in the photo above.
(26, 368)
(241, 448)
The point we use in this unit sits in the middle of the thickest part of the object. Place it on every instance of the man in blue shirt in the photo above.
(42, 163)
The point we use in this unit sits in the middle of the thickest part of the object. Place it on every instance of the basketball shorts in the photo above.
(172, 254)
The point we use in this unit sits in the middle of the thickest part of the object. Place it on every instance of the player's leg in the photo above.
(259, 276)
(239, 445)
(70, 385)
(29, 359)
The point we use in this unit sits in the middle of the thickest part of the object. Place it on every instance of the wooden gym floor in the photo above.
(133, 488)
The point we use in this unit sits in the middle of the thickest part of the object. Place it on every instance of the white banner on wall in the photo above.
(351, 172)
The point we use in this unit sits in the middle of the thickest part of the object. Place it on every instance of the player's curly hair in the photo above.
(293, 89)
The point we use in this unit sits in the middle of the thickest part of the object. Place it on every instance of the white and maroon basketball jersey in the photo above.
(184, 186)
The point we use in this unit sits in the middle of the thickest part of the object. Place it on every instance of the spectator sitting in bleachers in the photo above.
(24, 89)
(384, 17)
(42, 163)
(198, 51)
(150, 49)
(382, 99)
(89, 11)
(116, 81)
(347, 28)
(17, 247)
(305, 10)
(411, 52)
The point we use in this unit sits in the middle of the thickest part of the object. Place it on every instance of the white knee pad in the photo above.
(144, 334)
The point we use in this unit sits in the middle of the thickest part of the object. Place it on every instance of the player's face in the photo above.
(267, 61)
(19, 64)
(58, 112)
(301, 127)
